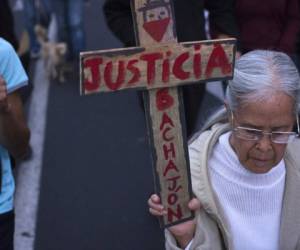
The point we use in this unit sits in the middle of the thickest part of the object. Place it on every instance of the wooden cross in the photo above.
(159, 66)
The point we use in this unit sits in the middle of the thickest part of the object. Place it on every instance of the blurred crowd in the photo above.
(256, 25)
(69, 22)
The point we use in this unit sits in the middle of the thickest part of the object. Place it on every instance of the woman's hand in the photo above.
(183, 232)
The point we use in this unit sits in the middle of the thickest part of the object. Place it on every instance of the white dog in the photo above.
(53, 55)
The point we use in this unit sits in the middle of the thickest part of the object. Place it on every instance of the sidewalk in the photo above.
(28, 173)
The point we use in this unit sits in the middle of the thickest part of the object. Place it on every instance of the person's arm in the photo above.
(222, 21)
(222, 18)
(119, 20)
(291, 28)
(14, 133)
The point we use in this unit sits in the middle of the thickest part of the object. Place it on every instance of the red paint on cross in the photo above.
(156, 29)
(120, 76)
(93, 65)
(127, 73)
(218, 59)
(164, 101)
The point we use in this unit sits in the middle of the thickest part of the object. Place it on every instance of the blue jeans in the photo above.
(33, 17)
(69, 16)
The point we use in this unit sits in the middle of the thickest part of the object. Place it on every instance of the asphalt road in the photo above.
(96, 175)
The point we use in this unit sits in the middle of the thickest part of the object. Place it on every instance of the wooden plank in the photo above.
(170, 156)
(155, 23)
(166, 65)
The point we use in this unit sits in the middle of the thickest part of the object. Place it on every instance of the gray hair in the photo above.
(258, 75)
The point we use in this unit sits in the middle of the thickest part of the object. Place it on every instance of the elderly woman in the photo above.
(245, 164)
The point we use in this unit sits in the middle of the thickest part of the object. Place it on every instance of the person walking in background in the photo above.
(272, 25)
(190, 26)
(70, 21)
(7, 32)
(36, 12)
(14, 136)
(268, 24)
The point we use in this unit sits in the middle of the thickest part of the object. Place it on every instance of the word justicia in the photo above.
(166, 66)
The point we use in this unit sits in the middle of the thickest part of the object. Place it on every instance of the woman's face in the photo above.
(270, 115)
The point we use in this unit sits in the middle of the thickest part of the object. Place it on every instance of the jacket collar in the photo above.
(201, 180)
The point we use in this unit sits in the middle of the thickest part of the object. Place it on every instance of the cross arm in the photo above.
(157, 66)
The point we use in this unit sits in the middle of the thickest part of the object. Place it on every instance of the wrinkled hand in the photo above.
(183, 232)
(4, 105)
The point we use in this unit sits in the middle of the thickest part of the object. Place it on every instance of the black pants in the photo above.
(7, 227)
